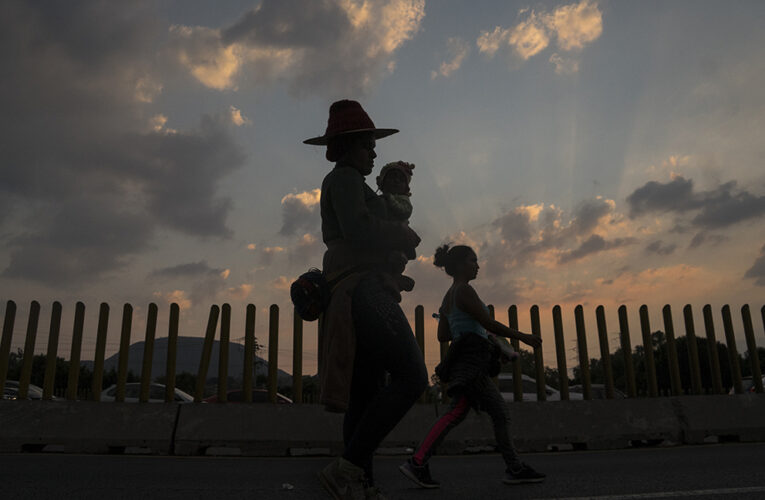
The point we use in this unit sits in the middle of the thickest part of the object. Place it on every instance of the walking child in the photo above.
(467, 369)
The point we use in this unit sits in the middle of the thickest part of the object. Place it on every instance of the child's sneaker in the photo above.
(523, 474)
(420, 474)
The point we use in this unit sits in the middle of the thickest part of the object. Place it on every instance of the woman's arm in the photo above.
(444, 333)
(357, 223)
(467, 299)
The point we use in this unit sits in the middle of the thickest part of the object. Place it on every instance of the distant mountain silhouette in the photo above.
(189, 355)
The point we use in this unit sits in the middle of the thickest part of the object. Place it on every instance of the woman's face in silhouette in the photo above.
(469, 268)
(361, 154)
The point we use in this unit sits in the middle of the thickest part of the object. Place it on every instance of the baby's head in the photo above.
(395, 177)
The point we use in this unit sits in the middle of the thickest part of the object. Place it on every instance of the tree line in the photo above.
(661, 362)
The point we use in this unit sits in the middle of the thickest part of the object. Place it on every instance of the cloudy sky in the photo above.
(593, 152)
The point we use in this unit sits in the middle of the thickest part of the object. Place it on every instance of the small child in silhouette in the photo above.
(393, 183)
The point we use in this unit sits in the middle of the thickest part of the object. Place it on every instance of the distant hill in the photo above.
(189, 355)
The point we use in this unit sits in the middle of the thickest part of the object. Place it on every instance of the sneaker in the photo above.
(420, 474)
(524, 474)
(343, 480)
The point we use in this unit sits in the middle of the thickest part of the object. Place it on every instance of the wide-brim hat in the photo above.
(348, 117)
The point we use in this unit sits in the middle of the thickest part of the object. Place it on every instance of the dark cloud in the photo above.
(308, 251)
(757, 271)
(330, 47)
(725, 208)
(290, 23)
(201, 281)
(515, 227)
(190, 269)
(721, 207)
(588, 214)
(77, 243)
(525, 237)
(80, 161)
(703, 237)
(594, 244)
(659, 248)
(676, 195)
(300, 212)
(178, 174)
(267, 254)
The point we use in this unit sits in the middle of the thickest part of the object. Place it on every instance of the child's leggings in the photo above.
(486, 394)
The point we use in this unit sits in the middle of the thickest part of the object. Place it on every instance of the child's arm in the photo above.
(467, 299)
(444, 333)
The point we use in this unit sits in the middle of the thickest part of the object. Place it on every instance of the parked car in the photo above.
(529, 389)
(11, 391)
(598, 391)
(133, 392)
(747, 383)
(258, 396)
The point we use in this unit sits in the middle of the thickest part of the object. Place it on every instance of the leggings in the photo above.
(483, 392)
(384, 343)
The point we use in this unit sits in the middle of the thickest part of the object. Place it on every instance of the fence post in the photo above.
(730, 340)
(172, 352)
(74, 356)
(714, 359)
(249, 352)
(581, 347)
(650, 365)
(297, 358)
(148, 352)
(560, 353)
(512, 321)
(605, 352)
(29, 350)
(419, 328)
(225, 332)
(52, 353)
(693, 350)
(629, 368)
(204, 362)
(5, 344)
(674, 367)
(127, 323)
(751, 345)
(273, 351)
(539, 364)
(98, 360)
(419, 335)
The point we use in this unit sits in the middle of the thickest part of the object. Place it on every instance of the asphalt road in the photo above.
(709, 471)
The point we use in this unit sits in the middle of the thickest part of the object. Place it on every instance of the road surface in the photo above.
(710, 471)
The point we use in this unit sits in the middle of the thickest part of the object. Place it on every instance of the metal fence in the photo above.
(222, 315)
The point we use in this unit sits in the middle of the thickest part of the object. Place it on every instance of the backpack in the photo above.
(311, 291)
(310, 294)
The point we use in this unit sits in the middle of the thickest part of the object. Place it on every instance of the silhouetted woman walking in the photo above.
(464, 319)
(364, 332)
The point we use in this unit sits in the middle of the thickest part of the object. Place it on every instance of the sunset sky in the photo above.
(593, 152)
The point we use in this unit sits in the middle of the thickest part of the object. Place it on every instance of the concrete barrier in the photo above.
(280, 430)
(541, 426)
(722, 418)
(256, 429)
(86, 426)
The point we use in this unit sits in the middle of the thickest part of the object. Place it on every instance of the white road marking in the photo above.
(675, 494)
